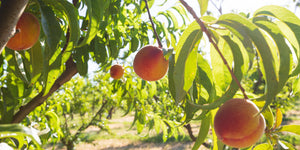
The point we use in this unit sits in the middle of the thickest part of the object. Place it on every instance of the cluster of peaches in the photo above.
(238, 122)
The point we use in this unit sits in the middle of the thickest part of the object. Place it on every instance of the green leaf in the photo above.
(282, 146)
(17, 130)
(244, 29)
(264, 146)
(1, 65)
(233, 87)
(281, 48)
(50, 25)
(173, 18)
(52, 68)
(171, 76)
(167, 17)
(287, 145)
(157, 124)
(95, 10)
(134, 44)
(290, 128)
(187, 43)
(8, 105)
(292, 33)
(181, 11)
(36, 61)
(206, 77)
(220, 72)
(278, 118)
(296, 86)
(113, 48)
(139, 126)
(269, 117)
(203, 6)
(13, 65)
(54, 122)
(71, 13)
(204, 128)
(81, 57)
(98, 48)
(164, 130)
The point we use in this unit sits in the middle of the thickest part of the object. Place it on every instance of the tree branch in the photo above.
(83, 127)
(205, 30)
(10, 12)
(154, 30)
(190, 131)
(70, 71)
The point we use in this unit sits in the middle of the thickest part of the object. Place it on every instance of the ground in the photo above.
(124, 138)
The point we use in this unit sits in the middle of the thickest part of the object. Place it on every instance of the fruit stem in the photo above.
(205, 30)
(154, 30)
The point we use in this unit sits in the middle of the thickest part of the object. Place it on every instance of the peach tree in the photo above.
(110, 30)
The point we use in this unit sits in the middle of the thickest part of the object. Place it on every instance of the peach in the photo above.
(27, 33)
(116, 72)
(238, 123)
(150, 63)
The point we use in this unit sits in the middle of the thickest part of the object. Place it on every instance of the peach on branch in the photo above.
(150, 63)
(116, 72)
(27, 33)
(238, 123)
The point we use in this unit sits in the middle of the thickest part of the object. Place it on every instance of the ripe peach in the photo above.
(116, 72)
(238, 123)
(27, 33)
(150, 63)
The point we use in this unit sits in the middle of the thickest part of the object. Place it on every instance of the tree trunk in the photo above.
(10, 12)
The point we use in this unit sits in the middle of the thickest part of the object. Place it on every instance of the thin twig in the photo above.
(205, 30)
(154, 30)
(83, 126)
(218, 8)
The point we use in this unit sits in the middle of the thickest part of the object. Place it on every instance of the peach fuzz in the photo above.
(116, 72)
(238, 123)
(27, 33)
(150, 63)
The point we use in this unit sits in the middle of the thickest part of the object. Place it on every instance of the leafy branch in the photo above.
(70, 71)
(210, 38)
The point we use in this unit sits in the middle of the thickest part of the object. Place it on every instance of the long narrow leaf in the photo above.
(204, 128)
(290, 128)
(290, 20)
(186, 45)
(233, 87)
(50, 25)
(71, 13)
(16, 130)
(282, 47)
(95, 10)
(241, 26)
